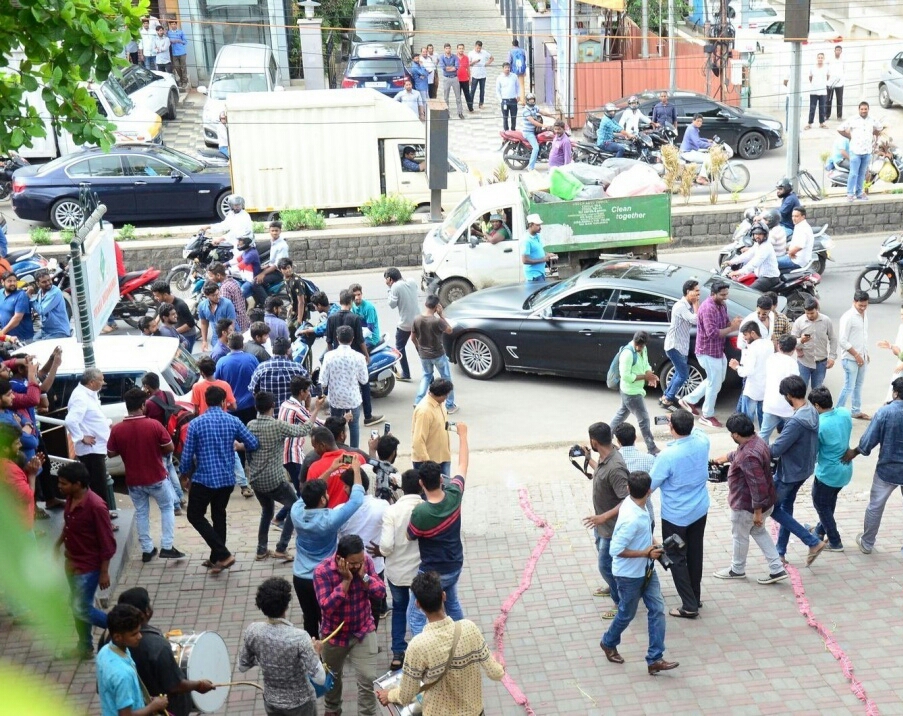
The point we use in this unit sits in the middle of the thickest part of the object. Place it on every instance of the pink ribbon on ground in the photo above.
(846, 664)
(525, 581)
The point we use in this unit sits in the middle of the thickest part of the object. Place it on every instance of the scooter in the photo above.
(8, 166)
(516, 150)
(840, 174)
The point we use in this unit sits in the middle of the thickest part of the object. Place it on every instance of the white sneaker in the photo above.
(728, 573)
(773, 578)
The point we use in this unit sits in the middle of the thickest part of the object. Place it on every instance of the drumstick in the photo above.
(337, 630)
(240, 683)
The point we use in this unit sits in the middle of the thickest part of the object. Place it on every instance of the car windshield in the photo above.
(365, 68)
(379, 31)
(820, 27)
(453, 223)
(550, 291)
(182, 373)
(118, 100)
(226, 83)
(397, 4)
(187, 164)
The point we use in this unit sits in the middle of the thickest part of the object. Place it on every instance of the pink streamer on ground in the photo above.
(525, 581)
(846, 664)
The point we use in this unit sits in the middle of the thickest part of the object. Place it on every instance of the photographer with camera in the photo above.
(633, 553)
(681, 471)
(751, 496)
(609, 491)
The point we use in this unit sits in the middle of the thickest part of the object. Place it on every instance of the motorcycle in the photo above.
(8, 166)
(645, 147)
(795, 286)
(880, 280)
(516, 150)
(733, 175)
(135, 297)
(25, 263)
(839, 175)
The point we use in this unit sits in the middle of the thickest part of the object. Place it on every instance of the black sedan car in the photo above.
(574, 328)
(748, 133)
(136, 182)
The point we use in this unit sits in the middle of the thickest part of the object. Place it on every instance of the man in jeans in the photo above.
(403, 297)
(887, 430)
(426, 332)
(712, 326)
(797, 447)
(677, 341)
(831, 473)
(480, 60)
(751, 496)
(343, 373)
(143, 443)
(635, 372)
(609, 491)
(430, 428)
(633, 553)
(816, 348)
(436, 524)
(853, 337)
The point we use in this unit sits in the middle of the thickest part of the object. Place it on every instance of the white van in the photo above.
(123, 360)
(239, 68)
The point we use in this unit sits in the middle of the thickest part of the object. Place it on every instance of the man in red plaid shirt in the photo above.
(345, 583)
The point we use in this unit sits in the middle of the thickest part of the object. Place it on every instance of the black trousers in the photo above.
(832, 92)
(509, 109)
(817, 100)
(307, 598)
(401, 340)
(200, 498)
(96, 465)
(46, 482)
(465, 92)
(687, 568)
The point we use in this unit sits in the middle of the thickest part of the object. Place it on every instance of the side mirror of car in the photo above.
(474, 241)
(175, 174)
(724, 114)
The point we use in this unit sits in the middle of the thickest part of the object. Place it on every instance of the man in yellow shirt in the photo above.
(429, 432)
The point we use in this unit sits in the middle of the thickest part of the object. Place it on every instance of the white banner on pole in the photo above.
(101, 279)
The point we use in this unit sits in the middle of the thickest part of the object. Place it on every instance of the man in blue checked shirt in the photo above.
(207, 462)
(608, 130)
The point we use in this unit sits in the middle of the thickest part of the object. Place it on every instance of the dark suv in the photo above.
(377, 66)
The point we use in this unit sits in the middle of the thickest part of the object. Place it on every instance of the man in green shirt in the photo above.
(831, 473)
(635, 373)
(367, 312)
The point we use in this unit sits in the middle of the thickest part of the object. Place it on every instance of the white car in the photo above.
(156, 91)
(821, 32)
(124, 360)
(890, 86)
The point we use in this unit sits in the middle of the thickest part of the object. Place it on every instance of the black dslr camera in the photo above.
(673, 544)
(575, 452)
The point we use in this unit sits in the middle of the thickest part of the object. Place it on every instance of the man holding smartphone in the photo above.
(816, 348)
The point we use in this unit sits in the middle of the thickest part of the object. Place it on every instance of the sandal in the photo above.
(263, 555)
(220, 566)
(284, 556)
(40, 514)
(683, 614)
(609, 614)
(397, 662)
(862, 416)
(602, 592)
(207, 563)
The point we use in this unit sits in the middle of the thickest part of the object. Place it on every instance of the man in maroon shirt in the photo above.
(143, 443)
(89, 545)
(160, 405)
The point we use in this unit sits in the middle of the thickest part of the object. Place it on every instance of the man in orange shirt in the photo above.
(207, 367)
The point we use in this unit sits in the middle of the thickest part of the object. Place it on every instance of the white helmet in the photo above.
(611, 109)
(633, 100)
(236, 202)
(530, 95)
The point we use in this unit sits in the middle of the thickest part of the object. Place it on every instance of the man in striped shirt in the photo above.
(294, 412)
(677, 341)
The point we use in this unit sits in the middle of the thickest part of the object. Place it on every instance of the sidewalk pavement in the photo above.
(750, 648)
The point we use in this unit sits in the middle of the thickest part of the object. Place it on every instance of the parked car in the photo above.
(124, 360)
(890, 85)
(820, 32)
(379, 23)
(750, 134)
(135, 181)
(378, 67)
(574, 328)
(156, 91)
(405, 9)
(241, 67)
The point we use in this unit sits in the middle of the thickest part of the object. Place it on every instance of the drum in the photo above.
(204, 656)
(392, 680)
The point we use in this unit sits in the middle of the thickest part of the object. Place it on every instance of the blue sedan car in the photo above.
(136, 182)
(378, 66)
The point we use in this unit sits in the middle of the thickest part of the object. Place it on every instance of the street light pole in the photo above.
(79, 280)
(672, 48)
(793, 112)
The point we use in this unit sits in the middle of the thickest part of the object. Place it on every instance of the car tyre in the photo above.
(694, 380)
(884, 97)
(479, 357)
(752, 145)
(454, 289)
(66, 214)
(222, 205)
(172, 104)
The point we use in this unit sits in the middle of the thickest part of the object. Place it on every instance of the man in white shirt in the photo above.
(835, 84)
(89, 430)
(237, 223)
(762, 317)
(480, 60)
(161, 47)
(632, 116)
(760, 261)
(429, 64)
(507, 89)
(412, 100)
(818, 90)
(799, 250)
(751, 366)
(861, 131)
(342, 374)
(775, 409)
(853, 338)
(222, 135)
(147, 34)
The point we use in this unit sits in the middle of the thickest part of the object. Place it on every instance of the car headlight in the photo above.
(772, 124)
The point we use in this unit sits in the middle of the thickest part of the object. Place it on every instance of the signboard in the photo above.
(599, 223)
(101, 280)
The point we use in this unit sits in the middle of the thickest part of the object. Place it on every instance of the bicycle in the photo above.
(808, 185)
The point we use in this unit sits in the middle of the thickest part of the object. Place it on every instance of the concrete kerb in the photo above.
(346, 247)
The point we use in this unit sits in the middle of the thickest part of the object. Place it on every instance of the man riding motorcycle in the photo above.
(237, 223)
(759, 261)
(789, 202)
(608, 130)
(632, 116)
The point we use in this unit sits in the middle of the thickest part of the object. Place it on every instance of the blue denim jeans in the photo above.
(354, 427)
(534, 143)
(814, 377)
(752, 409)
(631, 591)
(785, 263)
(603, 544)
(681, 373)
(824, 500)
(161, 493)
(174, 482)
(768, 425)
(615, 147)
(417, 619)
(853, 375)
(285, 494)
(859, 164)
(715, 370)
(445, 467)
(82, 588)
(240, 478)
(443, 367)
(783, 515)
(401, 599)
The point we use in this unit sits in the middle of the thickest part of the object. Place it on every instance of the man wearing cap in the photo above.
(533, 255)
(497, 232)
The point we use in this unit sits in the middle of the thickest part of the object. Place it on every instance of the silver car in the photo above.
(890, 85)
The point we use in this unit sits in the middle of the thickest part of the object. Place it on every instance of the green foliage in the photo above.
(336, 13)
(259, 227)
(40, 235)
(66, 236)
(52, 46)
(126, 233)
(297, 219)
(388, 209)
(658, 14)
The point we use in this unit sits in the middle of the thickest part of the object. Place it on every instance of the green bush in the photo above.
(297, 219)
(126, 233)
(259, 227)
(389, 209)
(66, 236)
(40, 235)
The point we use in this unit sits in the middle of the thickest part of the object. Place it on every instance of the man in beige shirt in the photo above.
(448, 691)
(429, 432)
